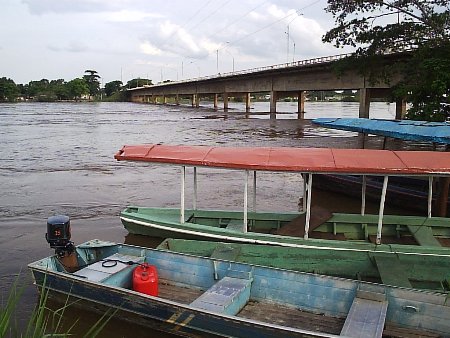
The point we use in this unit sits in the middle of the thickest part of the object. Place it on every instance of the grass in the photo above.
(43, 321)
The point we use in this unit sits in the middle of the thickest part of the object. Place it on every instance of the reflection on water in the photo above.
(57, 158)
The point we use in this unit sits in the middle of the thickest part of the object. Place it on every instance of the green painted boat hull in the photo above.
(357, 230)
(406, 270)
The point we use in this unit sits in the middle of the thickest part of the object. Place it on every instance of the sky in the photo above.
(156, 39)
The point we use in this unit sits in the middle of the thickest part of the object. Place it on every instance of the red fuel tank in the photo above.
(145, 279)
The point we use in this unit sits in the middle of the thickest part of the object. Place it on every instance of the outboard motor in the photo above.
(58, 236)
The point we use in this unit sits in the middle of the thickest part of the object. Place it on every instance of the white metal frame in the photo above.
(307, 195)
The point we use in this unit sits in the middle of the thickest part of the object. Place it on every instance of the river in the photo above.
(57, 158)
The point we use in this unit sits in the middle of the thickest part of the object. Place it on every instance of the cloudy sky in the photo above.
(158, 39)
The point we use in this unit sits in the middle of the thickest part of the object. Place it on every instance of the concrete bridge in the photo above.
(279, 81)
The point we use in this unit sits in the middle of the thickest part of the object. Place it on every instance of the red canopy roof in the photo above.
(314, 160)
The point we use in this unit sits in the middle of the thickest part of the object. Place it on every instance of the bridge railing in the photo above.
(300, 63)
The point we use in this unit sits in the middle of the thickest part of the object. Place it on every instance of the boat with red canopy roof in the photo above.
(296, 229)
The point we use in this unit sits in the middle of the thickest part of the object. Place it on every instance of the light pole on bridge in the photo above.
(290, 38)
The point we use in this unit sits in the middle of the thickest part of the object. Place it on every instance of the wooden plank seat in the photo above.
(228, 296)
(392, 271)
(367, 314)
(235, 225)
(423, 235)
(226, 252)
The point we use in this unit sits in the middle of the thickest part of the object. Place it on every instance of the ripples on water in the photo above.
(58, 158)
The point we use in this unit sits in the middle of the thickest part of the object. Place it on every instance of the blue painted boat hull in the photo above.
(328, 296)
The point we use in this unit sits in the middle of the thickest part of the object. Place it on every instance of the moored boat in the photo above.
(414, 269)
(311, 227)
(211, 297)
(423, 131)
(402, 192)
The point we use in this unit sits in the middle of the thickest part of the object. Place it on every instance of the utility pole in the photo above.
(287, 44)
(217, 61)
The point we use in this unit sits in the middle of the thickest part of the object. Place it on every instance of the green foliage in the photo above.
(112, 87)
(77, 88)
(91, 79)
(8, 90)
(46, 90)
(7, 311)
(419, 30)
(120, 96)
(138, 83)
(43, 322)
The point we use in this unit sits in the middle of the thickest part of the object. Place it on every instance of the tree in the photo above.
(112, 87)
(92, 81)
(39, 89)
(59, 89)
(138, 83)
(419, 29)
(8, 90)
(77, 88)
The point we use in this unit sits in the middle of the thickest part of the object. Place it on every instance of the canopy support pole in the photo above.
(183, 185)
(430, 195)
(194, 202)
(363, 195)
(381, 213)
(308, 206)
(244, 227)
(254, 191)
(305, 190)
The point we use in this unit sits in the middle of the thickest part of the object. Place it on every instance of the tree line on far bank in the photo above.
(86, 87)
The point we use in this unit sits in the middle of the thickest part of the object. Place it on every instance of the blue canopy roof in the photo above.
(437, 132)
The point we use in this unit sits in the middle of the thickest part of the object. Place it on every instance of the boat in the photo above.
(203, 297)
(403, 192)
(413, 269)
(422, 131)
(295, 229)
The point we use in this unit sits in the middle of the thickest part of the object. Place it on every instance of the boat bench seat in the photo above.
(115, 274)
(235, 225)
(392, 272)
(227, 252)
(228, 296)
(367, 314)
(423, 235)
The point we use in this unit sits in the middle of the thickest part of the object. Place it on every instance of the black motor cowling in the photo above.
(58, 234)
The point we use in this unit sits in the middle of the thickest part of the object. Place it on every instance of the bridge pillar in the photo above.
(273, 105)
(193, 100)
(225, 101)
(164, 99)
(197, 100)
(301, 105)
(247, 102)
(364, 102)
(216, 96)
(400, 109)
(177, 99)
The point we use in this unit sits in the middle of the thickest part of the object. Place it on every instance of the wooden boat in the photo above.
(423, 131)
(205, 297)
(414, 269)
(295, 229)
(402, 192)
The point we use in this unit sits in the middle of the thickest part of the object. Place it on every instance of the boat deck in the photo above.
(286, 316)
(262, 311)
